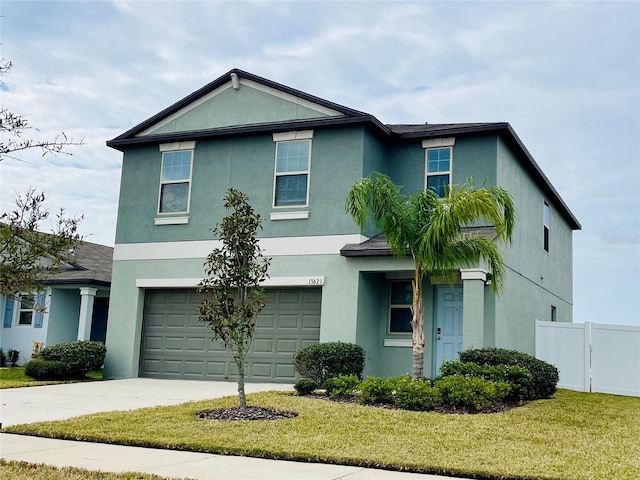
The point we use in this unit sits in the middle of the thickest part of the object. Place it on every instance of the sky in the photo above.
(565, 75)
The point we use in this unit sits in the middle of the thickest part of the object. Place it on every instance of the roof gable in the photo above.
(235, 100)
(237, 103)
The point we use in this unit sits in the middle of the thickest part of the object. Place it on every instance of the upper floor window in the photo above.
(400, 303)
(545, 226)
(291, 184)
(27, 307)
(175, 181)
(438, 168)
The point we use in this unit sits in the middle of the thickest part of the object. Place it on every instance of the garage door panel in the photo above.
(265, 322)
(311, 322)
(218, 368)
(194, 367)
(288, 321)
(177, 345)
(287, 345)
(153, 343)
(172, 366)
(196, 344)
(175, 320)
(263, 345)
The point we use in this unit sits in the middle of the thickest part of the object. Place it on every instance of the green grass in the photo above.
(14, 377)
(573, 436)
(30, 471)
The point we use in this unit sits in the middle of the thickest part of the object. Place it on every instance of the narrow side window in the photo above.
(545, 226)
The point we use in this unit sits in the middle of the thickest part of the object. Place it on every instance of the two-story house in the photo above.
(296, 156)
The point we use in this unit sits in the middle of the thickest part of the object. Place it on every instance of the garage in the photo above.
(175, 344)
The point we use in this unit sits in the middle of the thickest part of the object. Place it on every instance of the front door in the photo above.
(448, 325)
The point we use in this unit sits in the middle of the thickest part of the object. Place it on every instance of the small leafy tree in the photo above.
(233, 296)
(28, 256)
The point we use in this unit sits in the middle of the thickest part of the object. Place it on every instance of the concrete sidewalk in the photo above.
(57, 402)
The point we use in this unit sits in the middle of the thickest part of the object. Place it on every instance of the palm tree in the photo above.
(430, 229)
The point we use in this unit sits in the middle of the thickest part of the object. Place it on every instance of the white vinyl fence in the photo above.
(592, 357)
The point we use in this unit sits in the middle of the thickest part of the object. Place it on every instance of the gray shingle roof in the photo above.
(378, 247)
(91, 264)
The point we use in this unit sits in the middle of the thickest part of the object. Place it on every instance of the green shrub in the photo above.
(81, 356)
(344, 386)
(417, 395)
(376, 390)
(518, 378)
(305, 386)
(39, 369)
(545, 376)
(329, 360)
(471, 394)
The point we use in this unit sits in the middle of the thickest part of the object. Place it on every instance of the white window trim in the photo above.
(299, 215)
(294, 136)
(395, 305)
(446, 143)
(174, 147)
(182, 220)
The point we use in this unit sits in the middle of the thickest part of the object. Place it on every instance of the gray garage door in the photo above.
(176, 345)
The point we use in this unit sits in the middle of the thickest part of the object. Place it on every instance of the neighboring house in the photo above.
(76, 302)
(296, 156)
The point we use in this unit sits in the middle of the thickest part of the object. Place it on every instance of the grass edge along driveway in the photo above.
(573, 436)
(29, 471)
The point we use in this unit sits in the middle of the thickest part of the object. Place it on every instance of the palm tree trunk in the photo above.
(417, 324)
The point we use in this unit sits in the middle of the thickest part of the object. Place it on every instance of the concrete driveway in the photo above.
(58, 402)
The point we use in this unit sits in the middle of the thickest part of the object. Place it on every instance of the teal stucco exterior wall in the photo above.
(536, 279)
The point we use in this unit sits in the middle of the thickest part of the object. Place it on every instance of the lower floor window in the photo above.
(400, 303)
(27, 305)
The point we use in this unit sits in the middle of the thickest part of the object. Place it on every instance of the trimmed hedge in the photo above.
(519, 379)
(545, 376)
(39, 369)
(329, 360)
(472, 394)
(81, 357)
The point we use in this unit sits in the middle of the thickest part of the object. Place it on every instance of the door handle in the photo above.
(438, 332)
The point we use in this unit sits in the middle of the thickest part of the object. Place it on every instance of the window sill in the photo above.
(171, 220)
(289, 215)
(398, 342)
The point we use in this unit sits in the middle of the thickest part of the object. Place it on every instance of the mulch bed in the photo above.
(246, 413)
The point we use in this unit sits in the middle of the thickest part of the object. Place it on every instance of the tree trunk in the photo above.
(417, 324)
(241, 395)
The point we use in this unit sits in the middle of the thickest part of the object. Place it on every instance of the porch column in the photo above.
(87, 294)
(473, 283)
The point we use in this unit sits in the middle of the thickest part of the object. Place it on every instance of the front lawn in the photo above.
(573, 436)
(14, 377)
(30, 471)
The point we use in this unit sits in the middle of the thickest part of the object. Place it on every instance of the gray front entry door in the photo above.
(175, 344)
(448, 325)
